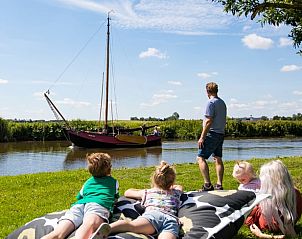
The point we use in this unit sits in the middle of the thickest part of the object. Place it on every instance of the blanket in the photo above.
(204, 215)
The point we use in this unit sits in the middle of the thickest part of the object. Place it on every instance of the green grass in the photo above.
(26, 197)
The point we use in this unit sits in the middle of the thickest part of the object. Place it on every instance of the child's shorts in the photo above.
(162, 222)
(77, 213)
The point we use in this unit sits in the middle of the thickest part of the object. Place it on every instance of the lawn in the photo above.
(26, 197)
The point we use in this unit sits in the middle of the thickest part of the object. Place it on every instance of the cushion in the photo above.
(215, 214)
(125, 209)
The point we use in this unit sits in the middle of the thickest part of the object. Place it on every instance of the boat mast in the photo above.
(55, 109)
(107, 76)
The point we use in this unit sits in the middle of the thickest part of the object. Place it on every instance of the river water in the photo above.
(34, 157)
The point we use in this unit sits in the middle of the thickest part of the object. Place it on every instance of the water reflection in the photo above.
(32, 146)
(133, 157)
(116, 154)
(34, 157)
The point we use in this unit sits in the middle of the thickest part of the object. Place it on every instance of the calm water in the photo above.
(34, 157)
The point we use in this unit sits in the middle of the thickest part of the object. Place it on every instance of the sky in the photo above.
(163, 53)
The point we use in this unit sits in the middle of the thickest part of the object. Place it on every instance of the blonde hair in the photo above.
(212, 88)
(243, 168)
(99, 164)
(164, 176)
(276, 180)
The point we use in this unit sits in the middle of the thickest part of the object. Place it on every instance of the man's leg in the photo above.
(204, 169)
(219, 169)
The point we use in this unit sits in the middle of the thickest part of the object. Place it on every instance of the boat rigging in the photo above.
(108, 137)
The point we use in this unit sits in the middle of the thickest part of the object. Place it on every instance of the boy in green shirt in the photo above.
(90, 213)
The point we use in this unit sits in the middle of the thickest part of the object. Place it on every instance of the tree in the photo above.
(175, 115)
(276, 117)
(3, 130)
(297, 116)
(274, 12)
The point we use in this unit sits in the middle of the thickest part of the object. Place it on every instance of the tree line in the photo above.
(175, 116)
(11, 131)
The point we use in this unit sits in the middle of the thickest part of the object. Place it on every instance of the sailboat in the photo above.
(108, 137)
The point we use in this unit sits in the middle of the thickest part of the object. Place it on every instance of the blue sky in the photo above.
(163, 54)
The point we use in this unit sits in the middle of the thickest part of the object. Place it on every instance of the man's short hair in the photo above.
(212, 88)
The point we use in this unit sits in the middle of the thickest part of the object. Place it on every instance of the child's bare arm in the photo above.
(178, 187)
(134, 193)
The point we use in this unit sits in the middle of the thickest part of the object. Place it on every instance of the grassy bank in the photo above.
(26, 197)
(11, 131)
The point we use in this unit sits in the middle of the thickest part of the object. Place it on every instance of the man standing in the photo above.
(211, 138)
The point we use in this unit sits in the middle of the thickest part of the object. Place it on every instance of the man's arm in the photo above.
(205, 129)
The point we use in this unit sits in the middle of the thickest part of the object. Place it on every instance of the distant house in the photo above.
(251, 118)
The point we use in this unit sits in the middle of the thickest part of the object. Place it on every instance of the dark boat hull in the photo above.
(88, 139)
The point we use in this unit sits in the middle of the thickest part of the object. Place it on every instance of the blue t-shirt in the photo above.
(216, 109)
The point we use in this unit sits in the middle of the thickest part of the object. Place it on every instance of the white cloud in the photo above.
(287, 105)
(258, 104)
(253, 41)
(285, 42)
(205, 75)
(194, 33)
(152, 52)
(288, 68)
(296, 92)
(246, 28)
(68, 101)
(175, 82)
(176, 16)
(38, 94)
(3, 81)
(261, 104)
(268, 96)
(160, 98)
(89, 5)
(267, 106)
(237, 106)
(40, 82)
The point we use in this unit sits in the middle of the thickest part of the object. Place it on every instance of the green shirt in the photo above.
(103, 190)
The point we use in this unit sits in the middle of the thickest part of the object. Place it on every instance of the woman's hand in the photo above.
(257, 232)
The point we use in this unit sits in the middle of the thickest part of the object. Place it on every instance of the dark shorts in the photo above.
(211, 146)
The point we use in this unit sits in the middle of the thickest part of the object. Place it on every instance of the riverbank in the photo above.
(26, 197)
(12, 131)
(53, 156)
